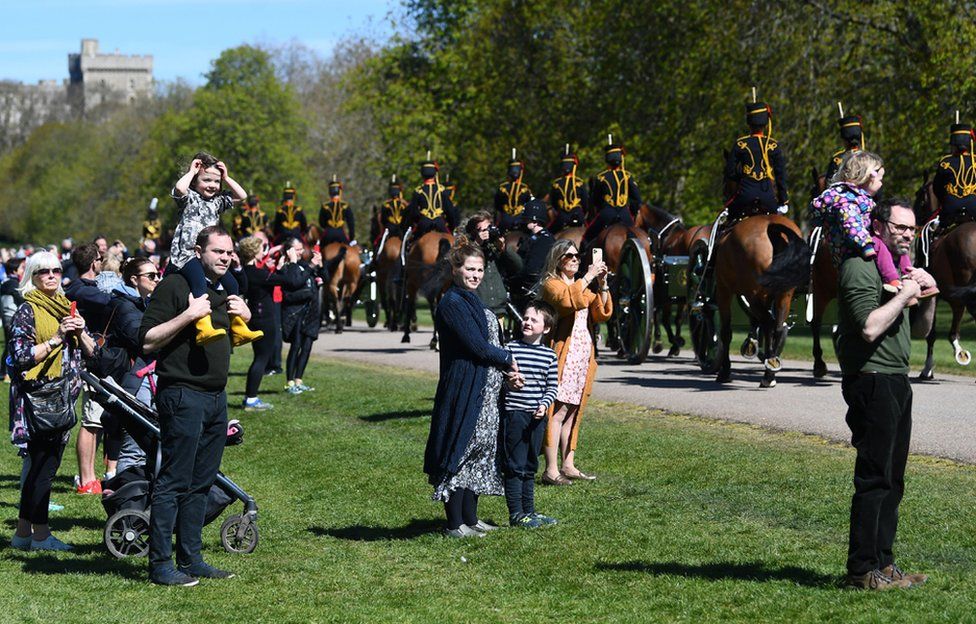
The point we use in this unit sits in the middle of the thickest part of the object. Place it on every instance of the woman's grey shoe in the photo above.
(463, 531)
(483, 526)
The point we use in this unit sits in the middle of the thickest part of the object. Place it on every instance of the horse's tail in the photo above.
(790, 267)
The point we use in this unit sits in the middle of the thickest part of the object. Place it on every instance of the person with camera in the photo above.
(501, 264)
(533, 250)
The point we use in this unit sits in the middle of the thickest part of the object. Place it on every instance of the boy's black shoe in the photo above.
(543, 519)
(168, 575)
(205, 570)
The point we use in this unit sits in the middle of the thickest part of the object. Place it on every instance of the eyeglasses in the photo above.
(153, 276)
(54, 271)
(100, 259)
(570, 256)
(901, 228)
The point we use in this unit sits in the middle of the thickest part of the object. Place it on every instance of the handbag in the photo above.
(48, 408)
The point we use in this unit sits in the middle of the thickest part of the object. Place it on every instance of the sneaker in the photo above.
(51, 543)
(525, 522)
(483, 526)
(544, 519)
(205, 570)
(168, 575)
(304, 388)
(257, 405)
(895, 573)
(54, 507)
(463, 531)
(875, 580)
(273, 371)
(92, 487)
(21, 543)
(293, 389)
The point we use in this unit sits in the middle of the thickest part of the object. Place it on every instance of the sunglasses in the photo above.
(44, 272)
(570, 256)
(153, 276)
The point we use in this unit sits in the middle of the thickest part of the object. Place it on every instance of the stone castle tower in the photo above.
(96, 77)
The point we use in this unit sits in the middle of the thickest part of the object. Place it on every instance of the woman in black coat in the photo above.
(461, 455)
(259, 295)
(300, 313)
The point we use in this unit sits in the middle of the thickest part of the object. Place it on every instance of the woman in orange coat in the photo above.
(578, 309)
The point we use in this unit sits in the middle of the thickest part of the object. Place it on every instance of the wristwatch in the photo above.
(51, 343)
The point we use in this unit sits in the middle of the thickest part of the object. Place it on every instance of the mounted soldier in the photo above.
(613, 193)
(568, 195)
(755, 168)
(954, 185)
(852, 133)
(392, 214)
(249, 219)
(335, 216)
(289, 218)
(430, 207)
(511, 196)
(152, 227)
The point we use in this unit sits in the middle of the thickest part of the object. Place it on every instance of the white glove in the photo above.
(783, 209)
(353, 243)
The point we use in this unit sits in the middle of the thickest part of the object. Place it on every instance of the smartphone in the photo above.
(597, 255)
(74, 309)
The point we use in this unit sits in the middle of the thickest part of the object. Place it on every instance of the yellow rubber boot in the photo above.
(206, 332)
(240, 333)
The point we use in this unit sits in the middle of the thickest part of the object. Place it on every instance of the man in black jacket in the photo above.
(533, 250)
(192, 406)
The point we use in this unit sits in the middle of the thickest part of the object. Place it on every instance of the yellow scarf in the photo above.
(48, 312)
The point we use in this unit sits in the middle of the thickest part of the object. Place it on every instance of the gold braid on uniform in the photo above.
(289, 209)
(964, 180)
(432, 193)
(513, 192)
(334, 210)
(567, 187)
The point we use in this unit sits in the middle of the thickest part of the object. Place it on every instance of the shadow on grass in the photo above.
(360, 533)
(375, 418)
(754, 571)
(389, 350)
(64, 524)
(35, 563)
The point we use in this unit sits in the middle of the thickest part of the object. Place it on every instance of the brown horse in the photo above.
(389, 277)
(422, 274)
(574, 234)
(952, 262)
(762, 259)
(343, 282)
(669, 237)
(823, 283)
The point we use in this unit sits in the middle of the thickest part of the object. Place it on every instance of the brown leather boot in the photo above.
(895, 573)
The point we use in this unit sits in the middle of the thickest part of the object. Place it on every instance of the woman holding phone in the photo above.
(578, 310)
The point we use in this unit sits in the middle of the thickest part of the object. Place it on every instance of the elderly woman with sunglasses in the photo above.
(48, 342)
(578, 310)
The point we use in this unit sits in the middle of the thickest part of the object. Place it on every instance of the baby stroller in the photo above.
(126, 497)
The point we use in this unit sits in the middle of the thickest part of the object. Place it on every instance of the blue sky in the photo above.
(183, 36)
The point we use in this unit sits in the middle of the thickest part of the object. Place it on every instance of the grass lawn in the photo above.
(690, 521)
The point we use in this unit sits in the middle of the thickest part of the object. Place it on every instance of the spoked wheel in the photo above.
(239, 534)
(127, 534)
(702, 318)
(634, 302)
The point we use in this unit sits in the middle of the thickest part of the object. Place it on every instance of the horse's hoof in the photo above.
(963, 358)
(657, 348)
(433, 345)
(749, 348)
(773, 365)
(724, 377)
(405, 340)
(819, 370)
(767, 383)
(674, 350)
(679, 341)
(926, 376)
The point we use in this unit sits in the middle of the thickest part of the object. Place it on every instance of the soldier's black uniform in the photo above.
(955, 179)
(510, 198)
(757, 168)
(851, 131)
(430, 207)
(568, 196)
(613, 194)
(392, 216)
(289, 218)
(152, 228)
(335, 216)
(533, 249)
(249, 219)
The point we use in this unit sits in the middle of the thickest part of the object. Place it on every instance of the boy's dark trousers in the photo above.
(193, 432)
(521, 435)
(879, 415)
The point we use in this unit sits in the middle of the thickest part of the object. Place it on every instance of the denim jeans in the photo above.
(193, 431)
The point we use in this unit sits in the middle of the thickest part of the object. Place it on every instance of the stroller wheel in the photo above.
(239, 534)
(127, 534)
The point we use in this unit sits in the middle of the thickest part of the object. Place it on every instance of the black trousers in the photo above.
(298, 353)
(193, 431)
(879, 415)
(263, 352)
(43, 459)
(275, 363)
